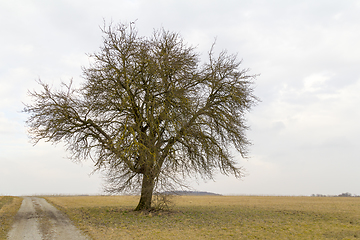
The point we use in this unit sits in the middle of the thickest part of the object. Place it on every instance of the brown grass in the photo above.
(8, 209)
(216, 217)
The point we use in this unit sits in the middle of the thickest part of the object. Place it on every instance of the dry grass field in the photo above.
(216, 217)
(8, 208)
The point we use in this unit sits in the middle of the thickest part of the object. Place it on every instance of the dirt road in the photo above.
(39, 220)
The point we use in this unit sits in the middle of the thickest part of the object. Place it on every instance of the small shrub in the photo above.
(162, 201)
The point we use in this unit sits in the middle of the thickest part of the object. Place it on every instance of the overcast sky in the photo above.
(305, 131)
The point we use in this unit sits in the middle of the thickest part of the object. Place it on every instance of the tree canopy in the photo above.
(149, 111)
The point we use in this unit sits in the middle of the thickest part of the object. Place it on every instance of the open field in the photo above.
(216, 217)
(8, 209)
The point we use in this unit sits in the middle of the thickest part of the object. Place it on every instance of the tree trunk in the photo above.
(146, 193)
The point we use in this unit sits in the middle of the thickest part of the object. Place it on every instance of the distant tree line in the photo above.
(347, 194)
(191, 193)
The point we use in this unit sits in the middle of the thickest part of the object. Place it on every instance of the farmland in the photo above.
(216, 217)
(8, 208)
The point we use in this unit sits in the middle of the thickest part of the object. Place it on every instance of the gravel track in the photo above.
(39, 220)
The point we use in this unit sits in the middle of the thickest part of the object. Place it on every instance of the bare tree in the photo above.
(148, 111)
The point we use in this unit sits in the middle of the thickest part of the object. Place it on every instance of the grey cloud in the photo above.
(307, 53)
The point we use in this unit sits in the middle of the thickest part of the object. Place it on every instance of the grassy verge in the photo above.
(216, 217)
(8, 209)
